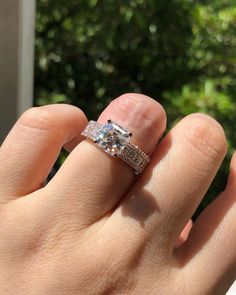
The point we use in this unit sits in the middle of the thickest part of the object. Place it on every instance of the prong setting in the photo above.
(115, 140)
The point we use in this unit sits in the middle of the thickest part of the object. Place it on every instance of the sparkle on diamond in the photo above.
(112, 137)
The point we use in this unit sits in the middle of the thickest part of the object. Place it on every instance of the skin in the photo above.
(95, 228)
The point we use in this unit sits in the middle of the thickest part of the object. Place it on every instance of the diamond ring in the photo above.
(115, 140)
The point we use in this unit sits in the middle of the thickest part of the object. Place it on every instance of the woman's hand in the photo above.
(95, 228)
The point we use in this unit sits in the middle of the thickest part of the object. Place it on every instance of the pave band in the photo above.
(115, 140)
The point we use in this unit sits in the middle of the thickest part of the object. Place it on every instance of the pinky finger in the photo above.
(184, 234)
(209, 254)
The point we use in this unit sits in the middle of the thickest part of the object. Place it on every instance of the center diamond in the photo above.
(112, 137)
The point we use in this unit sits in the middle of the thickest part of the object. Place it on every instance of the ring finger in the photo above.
(92, 181)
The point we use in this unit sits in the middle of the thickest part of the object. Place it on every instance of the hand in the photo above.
(95, 228)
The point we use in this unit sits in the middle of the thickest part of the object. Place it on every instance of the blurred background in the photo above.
(180, 52)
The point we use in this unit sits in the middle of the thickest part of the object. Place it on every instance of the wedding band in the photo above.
(115, 140)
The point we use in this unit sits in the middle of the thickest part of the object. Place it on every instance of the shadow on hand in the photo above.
(140, 203)
(140, 206)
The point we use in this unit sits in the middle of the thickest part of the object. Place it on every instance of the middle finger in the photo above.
(169, 191)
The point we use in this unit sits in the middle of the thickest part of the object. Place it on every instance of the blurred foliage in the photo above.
(181, 52)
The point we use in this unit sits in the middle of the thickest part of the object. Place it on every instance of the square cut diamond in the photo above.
(112, 138)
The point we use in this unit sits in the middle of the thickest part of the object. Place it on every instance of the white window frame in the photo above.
(17, 18)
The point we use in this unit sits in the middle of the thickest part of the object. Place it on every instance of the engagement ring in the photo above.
(115, 140)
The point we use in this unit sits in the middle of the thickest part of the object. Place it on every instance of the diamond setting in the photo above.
(115, 140)
(112, 138)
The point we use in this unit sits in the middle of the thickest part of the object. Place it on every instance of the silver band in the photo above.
(129, 152)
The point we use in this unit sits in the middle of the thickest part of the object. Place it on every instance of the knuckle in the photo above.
(38, 118)
(144, 108)
(206, 135)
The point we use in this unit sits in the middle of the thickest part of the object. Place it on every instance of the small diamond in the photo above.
(112, 137)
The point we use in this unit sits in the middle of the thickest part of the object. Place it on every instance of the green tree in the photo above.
(88, 52)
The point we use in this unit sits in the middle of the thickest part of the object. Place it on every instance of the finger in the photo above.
(211, 247)
(69, 146)
(184, 234)
(171, 188)
(31, 148)
(94, 181)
